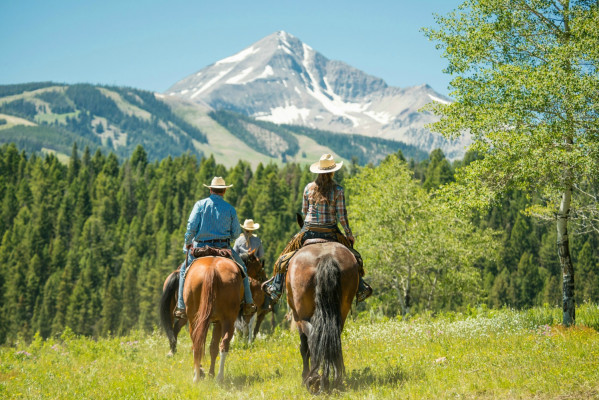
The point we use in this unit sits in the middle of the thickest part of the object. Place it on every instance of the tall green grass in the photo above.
(488, 354)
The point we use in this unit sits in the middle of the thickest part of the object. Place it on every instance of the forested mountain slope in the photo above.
(49, 117)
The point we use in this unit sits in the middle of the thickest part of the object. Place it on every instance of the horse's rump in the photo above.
(302, 271)
(213, 287)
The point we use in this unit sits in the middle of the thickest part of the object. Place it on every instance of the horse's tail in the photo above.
(202, 321)
(324, 340)
(168, 295)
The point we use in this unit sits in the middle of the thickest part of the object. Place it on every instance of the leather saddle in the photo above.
(208, 251)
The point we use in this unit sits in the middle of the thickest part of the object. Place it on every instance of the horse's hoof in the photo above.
(198, 376)
(313, 384)
(170, 354)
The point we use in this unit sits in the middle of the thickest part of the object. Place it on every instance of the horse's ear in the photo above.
(251, 253)
(300, 219)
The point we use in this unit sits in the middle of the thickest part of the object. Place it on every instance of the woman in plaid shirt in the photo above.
(323, 207)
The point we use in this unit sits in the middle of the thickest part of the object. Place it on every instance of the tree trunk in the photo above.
(563, 250)
(403, 292)
(432, 291)
(408, 293)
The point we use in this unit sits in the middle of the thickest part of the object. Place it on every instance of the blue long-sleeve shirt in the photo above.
(212, 218)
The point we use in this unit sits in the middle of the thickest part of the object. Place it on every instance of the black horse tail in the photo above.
(169, 292)
(324, 340)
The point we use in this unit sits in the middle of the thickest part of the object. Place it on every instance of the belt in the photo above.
(320, 229)
(213, 241)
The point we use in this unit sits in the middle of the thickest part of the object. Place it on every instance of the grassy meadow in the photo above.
(486, 354)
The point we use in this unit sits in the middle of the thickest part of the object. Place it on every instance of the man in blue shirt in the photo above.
(213, 222)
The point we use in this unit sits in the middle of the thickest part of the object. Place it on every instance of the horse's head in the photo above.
(253, 264)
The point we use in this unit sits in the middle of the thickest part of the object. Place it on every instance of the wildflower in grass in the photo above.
(544, 330)
(24, 353)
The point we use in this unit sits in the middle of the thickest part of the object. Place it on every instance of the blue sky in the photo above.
(153, 44)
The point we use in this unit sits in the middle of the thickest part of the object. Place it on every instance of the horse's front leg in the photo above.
(251, 326)
(216, 335)
(259, 320)
(228, 332)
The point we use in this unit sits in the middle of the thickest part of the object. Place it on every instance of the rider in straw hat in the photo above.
(248, 241)
(213, 222)
(323, 207)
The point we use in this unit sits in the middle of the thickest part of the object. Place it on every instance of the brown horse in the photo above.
(322, 281)
(212, 293)
(255, 268)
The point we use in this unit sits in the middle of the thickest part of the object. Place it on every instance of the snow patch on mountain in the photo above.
(236, 58)
(268, 71)
(240, 77)
(289, 114)
(210, 83)
(434, 98)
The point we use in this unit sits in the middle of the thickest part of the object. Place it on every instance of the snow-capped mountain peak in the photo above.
(283, 80)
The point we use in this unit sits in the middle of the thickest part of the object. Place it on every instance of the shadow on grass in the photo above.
(366, 377)
(243, 380)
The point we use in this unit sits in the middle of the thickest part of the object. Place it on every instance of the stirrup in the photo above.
(364, 294)
(180, 313)
(273, 293)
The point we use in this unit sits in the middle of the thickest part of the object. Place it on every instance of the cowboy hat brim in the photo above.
(256, 226)
(315, 168)
(217, 186)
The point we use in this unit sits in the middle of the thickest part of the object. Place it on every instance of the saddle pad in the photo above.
(207, 251)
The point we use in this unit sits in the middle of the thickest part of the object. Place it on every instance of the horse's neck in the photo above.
(253, 269)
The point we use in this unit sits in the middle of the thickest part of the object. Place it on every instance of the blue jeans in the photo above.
(246, 282)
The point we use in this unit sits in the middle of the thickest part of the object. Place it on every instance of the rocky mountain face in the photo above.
(282, 80)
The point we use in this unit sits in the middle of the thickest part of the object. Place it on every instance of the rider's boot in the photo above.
(274, 288)
(364, 290)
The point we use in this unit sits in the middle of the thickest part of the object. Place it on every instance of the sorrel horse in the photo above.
(212, 293)
(250, 326)
(322, 281)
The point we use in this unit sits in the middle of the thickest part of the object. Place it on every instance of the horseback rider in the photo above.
(248, 241)
(323, 206)
(213, 222)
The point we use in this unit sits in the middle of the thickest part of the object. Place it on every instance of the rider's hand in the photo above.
(189, 246)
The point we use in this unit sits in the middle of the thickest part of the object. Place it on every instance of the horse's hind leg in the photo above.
(198, 372)
(305, 352)
(216, 335)
(228, 330)
(179, 323)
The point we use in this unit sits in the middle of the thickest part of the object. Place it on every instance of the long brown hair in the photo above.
(325, 184)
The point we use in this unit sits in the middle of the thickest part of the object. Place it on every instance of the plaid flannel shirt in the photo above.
(327, 213)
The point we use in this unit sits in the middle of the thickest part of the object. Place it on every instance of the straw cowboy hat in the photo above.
(325, 165)
(249, 225)
(218, 183)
